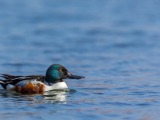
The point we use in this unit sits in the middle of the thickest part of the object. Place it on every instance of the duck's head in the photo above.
(56, 73)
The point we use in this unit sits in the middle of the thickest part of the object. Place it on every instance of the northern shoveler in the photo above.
(53, 80)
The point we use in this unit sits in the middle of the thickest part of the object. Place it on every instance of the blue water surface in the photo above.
(115, 44)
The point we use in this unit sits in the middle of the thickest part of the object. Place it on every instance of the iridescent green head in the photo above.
(56, 73)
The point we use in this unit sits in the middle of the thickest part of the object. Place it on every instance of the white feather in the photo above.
(56, 86)
(9, 87)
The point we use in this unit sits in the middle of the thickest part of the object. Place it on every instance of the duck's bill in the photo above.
(71, 76)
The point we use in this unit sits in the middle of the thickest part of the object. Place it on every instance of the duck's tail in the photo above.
(3, 84)
(9, 79)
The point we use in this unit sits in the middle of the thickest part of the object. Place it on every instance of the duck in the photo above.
(34, 84)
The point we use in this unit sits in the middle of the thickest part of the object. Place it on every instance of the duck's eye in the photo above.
(61, 70)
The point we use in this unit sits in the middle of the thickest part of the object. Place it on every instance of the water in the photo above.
(114, 44)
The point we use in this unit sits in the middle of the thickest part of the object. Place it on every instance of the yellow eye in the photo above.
(60, 70)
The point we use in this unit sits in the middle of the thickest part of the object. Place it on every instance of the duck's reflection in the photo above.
(55, 96)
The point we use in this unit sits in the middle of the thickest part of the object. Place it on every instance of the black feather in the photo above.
(11, 79)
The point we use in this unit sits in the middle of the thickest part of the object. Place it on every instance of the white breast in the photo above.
(56, 86)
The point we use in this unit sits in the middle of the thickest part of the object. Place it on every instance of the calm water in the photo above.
(115, 44)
